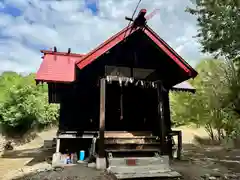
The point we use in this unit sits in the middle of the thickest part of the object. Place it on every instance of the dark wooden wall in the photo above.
(80, 112)
(79, 101)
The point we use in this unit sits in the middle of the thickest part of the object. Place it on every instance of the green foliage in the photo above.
(212, 105)
(179, 102)
(23, 105)
(219, 34)
(219, 26)
(233, 79)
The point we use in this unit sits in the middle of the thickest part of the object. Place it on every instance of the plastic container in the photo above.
(74, 158)
(69, 160)
(82, 155)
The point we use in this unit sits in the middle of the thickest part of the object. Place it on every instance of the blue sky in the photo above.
(10, 9)
(92, 5)
(26, 26)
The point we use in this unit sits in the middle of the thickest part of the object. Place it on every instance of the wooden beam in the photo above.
(161, 117)
(167, 121)
(179, 150)
(179, 142)
(102, 117)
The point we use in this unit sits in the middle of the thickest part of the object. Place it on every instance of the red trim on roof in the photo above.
(164, 48)
(114, 40)
(193, 72)
(57, 67)
(107, 45)
(61, 53)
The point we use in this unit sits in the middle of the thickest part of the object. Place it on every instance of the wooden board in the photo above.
(127, 134)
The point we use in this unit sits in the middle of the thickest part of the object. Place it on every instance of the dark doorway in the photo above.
(131, 108)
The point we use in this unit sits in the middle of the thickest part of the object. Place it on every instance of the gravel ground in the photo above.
(195, 168)
(76, 172)
(199, 163)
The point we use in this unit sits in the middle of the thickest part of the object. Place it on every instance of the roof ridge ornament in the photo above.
(141, 19)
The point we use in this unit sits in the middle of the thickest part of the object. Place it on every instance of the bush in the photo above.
(25, 108)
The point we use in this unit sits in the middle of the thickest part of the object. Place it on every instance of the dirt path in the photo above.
(189, 132)
(23, 155)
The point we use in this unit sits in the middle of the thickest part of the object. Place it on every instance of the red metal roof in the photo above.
(114, 40)
(57, 66)
(60, 66)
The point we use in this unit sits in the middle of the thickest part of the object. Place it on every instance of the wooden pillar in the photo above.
(167, 121)
(179, 150)
(161, 118)
(102, 117)
(57, 145)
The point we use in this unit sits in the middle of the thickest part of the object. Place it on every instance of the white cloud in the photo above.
(67, 23)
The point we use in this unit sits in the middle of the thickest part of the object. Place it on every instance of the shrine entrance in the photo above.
(131, 106)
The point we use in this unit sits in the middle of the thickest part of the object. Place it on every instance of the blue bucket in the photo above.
(82, 155)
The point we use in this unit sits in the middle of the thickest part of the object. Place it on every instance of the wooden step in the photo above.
(127, 134)
(131, 137)
(132, 146)
(130, 141)
(132, 150)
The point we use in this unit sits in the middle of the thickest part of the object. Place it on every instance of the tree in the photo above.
(25, 105)
(219, 26)
(219, 34)
(210, 106)
(7, 79)
(179, 102)
(232, 75)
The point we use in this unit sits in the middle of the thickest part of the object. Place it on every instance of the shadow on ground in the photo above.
(197, 160)
(228, 158)
(200, 161)
(77, 172)
(38, 155)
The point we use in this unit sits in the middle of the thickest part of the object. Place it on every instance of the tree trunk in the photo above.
(209, 130)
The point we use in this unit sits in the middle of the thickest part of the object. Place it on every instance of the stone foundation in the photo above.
(101, 163)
